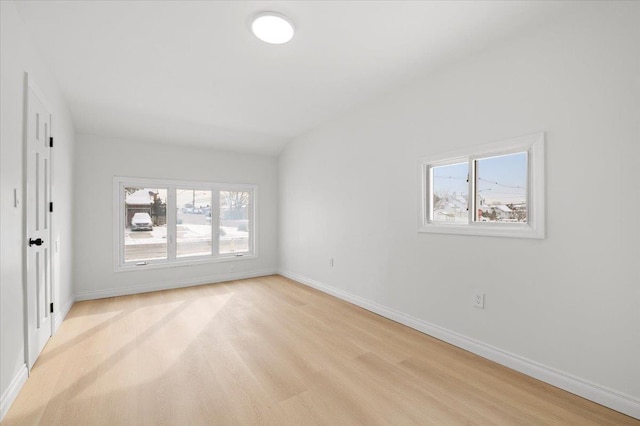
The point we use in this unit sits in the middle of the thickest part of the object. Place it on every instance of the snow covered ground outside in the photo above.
(157, 236)
(450, 216)
(186, 232)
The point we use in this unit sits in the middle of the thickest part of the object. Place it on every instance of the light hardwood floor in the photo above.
(271, 351)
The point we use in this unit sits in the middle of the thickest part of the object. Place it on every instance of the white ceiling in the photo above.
(192, 72)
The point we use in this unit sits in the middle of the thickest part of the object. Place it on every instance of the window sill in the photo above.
(485, 229)
(179, 263)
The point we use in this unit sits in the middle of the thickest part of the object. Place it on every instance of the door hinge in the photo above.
(51, 141)
(51, 207)
(51, 308)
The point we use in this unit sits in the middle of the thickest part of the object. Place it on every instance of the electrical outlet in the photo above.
(478, 300)
(331, 262)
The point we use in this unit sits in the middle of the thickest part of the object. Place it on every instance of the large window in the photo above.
(162, 223)
(194, 224)
(234, 221)
(494, 189)
(145, 219)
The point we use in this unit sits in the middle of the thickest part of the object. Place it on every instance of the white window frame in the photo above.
(533, 145)
(120, 182)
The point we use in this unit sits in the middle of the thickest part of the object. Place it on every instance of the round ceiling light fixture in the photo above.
(272, 27)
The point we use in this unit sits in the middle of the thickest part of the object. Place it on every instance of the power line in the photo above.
(483, 180)
(450, 177)
(500, 184)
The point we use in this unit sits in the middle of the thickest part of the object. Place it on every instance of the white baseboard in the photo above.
(23, 374)
(608, 397)
(167, 285)
(13, 390)
(62, 313)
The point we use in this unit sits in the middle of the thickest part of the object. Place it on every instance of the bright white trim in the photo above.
(168, 285)
(535, 226)
(171, 185)
(13, 390)
(602, 395)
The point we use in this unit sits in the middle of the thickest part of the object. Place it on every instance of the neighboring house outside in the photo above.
(503, 212)
(451, 208)
(498, 212)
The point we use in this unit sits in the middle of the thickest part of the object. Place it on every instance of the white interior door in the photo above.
(38, 225)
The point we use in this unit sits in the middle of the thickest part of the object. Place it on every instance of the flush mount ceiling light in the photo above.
(272, 27)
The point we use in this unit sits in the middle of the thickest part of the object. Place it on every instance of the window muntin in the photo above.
(186, 220)
(506, 186)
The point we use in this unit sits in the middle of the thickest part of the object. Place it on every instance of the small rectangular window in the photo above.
(495, 189)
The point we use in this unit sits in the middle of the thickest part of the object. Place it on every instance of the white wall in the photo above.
(570, 302)
(99, 159)
(18, 55)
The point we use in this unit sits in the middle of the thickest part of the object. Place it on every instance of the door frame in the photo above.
(30, 85)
